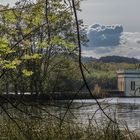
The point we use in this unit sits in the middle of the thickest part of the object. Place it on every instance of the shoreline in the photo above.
(49, 97)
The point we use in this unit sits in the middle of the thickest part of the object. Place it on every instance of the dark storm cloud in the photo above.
(101, 35)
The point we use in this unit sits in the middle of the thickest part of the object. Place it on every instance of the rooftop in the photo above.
(129, 71)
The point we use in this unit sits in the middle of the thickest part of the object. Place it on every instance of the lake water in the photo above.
(81, 112)
(125, 110)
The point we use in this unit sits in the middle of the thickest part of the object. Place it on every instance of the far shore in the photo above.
(59, 96)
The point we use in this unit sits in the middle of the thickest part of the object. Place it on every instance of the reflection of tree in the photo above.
(137, 89)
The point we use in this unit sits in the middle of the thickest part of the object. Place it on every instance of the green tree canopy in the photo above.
(32, 35)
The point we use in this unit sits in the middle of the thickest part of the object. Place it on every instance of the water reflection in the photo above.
(82, 111)
(123, 109)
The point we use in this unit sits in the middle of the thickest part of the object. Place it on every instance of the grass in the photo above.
(17, 125)
(50, 129)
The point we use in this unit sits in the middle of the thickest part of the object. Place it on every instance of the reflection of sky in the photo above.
(125, 110)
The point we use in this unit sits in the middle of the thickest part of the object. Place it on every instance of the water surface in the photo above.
(125, 110)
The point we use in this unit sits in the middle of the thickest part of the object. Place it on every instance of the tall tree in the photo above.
(32, 35)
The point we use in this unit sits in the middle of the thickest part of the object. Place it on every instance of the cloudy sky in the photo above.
(125, 12)
(113, 27)
(7, 1)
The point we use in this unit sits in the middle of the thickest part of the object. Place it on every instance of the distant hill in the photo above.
(112, 59)
(88, 59)
(119, 59)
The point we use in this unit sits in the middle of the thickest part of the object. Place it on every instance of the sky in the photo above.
(125, 12)
(113, 27)
(4, 2)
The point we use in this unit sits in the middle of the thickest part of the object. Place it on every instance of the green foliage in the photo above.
(104, 74)
(10, 16)
(4, 48)
(43, 44)
(31, 57)
(56, 40)
(31, 39)
(11, 64)
(27, 73)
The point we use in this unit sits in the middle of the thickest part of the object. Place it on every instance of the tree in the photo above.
(31, 36)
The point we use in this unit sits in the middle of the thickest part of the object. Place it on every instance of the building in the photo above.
(129, 82)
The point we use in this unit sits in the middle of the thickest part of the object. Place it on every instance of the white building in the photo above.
(129, 82)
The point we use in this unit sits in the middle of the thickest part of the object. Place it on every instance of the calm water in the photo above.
(126, 110)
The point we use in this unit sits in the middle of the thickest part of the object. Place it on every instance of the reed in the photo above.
(52, 129)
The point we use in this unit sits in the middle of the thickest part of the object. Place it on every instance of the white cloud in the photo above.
(111, 40)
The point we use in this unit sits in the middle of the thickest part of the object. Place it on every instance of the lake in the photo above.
(125, 110)
(81, 112)
(82, 119)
